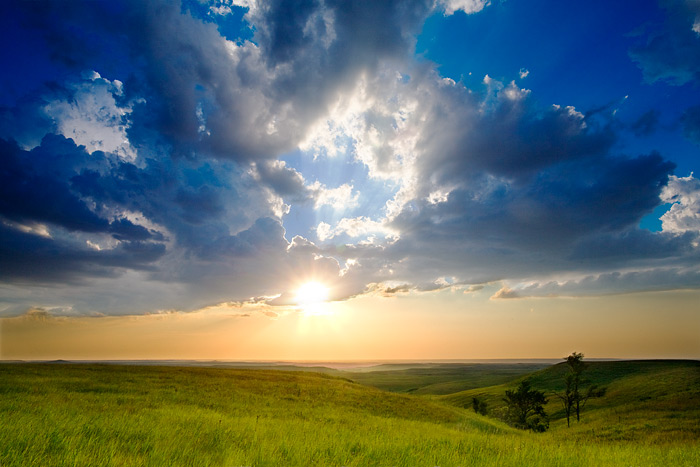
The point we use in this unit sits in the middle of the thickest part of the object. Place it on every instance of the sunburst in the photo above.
(312, 292)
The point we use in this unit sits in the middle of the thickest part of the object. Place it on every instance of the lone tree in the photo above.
(525, 409)
(567, 397)
(479, 406)
(575, 396)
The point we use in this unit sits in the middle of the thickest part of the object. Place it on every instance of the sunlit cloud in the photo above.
(178, 162)
(92, 118)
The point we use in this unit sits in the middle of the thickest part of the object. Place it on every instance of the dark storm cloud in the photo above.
(516, 142)
(324, 41)
(62, 188)
(28, 258)
(636, 245)
(253, 102)
(193, 201)
(34, 187)
(561, 204)
(523, 178)
(198, 205)
(35, 190)
(31, 190)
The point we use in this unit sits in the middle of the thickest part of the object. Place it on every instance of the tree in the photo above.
(525, 408)
(575, 396)
(479, 406)
(567, 397)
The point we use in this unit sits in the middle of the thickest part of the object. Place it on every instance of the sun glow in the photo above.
(311, 293)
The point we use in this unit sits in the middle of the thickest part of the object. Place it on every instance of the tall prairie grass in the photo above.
(104, 415)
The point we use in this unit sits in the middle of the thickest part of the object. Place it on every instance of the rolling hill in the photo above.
(653, 401)
(91, 414)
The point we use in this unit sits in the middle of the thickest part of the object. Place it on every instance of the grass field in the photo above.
(440, 379)
(646, 401)
(89, 414)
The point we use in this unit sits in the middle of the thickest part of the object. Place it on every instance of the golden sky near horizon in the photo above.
(448, 324)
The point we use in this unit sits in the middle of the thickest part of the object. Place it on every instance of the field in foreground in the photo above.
(129, 415)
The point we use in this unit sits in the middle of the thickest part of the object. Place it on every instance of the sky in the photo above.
(331, 180)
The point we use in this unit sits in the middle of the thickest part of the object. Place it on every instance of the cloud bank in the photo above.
(145, 162)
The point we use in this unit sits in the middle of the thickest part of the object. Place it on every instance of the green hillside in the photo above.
(80, 415)
(653, 401)
(440, 379)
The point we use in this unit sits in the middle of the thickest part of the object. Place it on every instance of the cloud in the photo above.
(352, 227)
(32, 192)
(467, 6)
(283, 180)
(494, 186)
(92, 118)
(505, 292)
(32, 258)
(339, 198)
(290, 185)
(670, 52)
(684, 214)
(608, 283)
(157, 178)
(511, 187)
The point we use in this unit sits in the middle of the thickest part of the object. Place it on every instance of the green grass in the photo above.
(76, 415)
(440, 379)
(646, 401)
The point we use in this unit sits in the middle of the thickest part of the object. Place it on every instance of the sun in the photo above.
(312, 292)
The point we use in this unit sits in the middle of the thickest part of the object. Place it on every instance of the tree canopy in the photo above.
(525, 408)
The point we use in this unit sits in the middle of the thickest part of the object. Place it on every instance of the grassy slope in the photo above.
(649, 401)
(440, 379)
(129, 415)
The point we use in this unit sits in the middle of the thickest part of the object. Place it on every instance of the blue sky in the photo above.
(160, 156)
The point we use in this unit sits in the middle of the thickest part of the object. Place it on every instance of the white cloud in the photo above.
(523, 73)
(438, 196)
(467, 6)
(93, 118)
(327, 138)
(250, 4)
(354, 227)
(339, 198)
(220, 10)
(684, 214)
(515, 93)
(324, 231)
